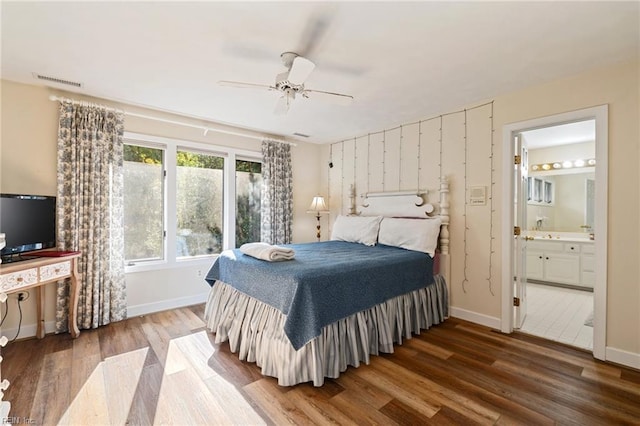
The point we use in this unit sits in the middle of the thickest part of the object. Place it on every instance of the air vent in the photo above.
(302, 135)
(56, 80)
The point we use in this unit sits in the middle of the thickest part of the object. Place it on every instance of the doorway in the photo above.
(573, 259)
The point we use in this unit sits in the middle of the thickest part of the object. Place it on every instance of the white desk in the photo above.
(34, 273)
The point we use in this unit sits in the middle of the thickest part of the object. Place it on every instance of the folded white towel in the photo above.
(268, 252)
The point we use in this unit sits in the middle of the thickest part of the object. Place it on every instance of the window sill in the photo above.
(158, 265)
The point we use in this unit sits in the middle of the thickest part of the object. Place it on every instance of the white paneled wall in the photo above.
(457, 145)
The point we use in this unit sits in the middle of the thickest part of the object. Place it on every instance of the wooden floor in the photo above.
(165, 369)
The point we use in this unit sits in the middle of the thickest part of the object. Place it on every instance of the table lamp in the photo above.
(318, 206)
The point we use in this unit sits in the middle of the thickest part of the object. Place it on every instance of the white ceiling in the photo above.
(401, 61)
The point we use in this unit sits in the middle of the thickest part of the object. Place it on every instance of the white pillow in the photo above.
(356, 229)
(411, 234)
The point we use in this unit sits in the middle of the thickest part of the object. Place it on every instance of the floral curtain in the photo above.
(90, 211)
(277, 193)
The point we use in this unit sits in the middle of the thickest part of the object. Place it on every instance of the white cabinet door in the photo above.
(588, 278)
(562, 268)
(535, 265)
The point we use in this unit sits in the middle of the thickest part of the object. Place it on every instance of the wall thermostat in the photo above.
(478, 195)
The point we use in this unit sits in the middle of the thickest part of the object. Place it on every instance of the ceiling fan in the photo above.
(291, 83)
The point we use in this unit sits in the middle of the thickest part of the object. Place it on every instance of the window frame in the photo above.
(171, 146)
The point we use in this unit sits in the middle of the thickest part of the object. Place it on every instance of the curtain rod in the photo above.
(205, 129)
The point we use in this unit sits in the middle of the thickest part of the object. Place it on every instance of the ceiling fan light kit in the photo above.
(291, 82)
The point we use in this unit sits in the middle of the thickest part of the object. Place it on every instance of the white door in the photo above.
(520, 225)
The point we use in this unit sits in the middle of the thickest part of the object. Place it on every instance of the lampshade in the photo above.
(318, 205)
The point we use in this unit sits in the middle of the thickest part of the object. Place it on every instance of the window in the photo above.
(540, 191)
(176, 206)
(199, 204)
(143, 203)
(248, 186)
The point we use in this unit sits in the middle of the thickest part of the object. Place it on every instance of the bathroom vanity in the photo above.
(561, 260)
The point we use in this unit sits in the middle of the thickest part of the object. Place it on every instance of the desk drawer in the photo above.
(18, 279)
(50, 272)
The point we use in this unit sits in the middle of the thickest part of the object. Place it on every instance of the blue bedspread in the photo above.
(325, 282)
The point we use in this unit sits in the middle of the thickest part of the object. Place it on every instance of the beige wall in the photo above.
(28, 165)
(616, 86)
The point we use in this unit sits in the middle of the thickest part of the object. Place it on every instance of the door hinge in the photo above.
(516, 230)
(516, 301)
(517, 160)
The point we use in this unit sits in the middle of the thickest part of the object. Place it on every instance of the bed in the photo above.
(337, 302)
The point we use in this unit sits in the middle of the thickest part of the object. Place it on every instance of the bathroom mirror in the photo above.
(561, 178)
(561, 202)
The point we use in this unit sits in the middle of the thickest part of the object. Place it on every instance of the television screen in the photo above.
(28, 222)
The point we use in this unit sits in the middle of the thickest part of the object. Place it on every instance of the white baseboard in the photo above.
(619, 356)
(163, 305)
(28, 330)
(475, 317)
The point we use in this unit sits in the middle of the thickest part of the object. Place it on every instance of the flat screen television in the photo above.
(28, 222)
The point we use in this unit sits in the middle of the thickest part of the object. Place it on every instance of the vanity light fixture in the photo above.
(591, 162)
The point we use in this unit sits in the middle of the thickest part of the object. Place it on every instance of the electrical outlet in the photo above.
(22, 296)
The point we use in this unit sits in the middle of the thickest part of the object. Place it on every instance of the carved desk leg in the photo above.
(40, 311)
(74, 292)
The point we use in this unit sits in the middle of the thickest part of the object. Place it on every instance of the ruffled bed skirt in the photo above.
(255, 331)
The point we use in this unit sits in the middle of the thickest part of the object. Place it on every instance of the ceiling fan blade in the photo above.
(315, 30)
(242, 85)
(300, 70)
(336, 98)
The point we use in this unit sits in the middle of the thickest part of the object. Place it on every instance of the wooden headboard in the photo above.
(415, 204)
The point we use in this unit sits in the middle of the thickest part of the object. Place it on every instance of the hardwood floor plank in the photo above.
(90, 404)
(234, 400)
(356, 406)
(318, 408)
(423, 346)
(22, 366)
(197, 350)
(121, 375)
(157, 339)
(403, 414)
(552, 350)
(121, 337)
(459, 383)
(524, 392)
(190, 319)
(574, 393)
(632, 376)
(52, 398)
(436, 393)
(421, 403)
(145, 399)
(370, 395)
(494, 349)
(276, 404)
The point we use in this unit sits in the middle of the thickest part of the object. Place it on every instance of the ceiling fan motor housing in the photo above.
(287, 59)
(285, 86)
